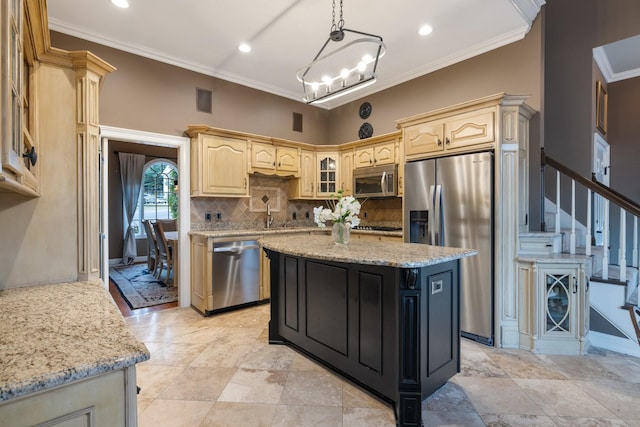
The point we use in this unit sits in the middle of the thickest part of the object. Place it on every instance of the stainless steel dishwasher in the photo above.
(236, 271)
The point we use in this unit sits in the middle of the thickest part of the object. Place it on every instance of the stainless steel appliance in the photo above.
(236, 272)
(376, 181)
(449, 202)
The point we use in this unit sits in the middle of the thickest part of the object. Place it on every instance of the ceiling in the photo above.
(285, 35)
(619, 60)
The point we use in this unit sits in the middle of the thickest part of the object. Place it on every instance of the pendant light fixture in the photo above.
(349, 67)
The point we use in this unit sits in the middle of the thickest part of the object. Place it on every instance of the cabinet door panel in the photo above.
(384, 154)
(224, 167)
(287, 159)
(424, 138)
(346, 173)
(364, 157)
(263, 156)
(470, 129)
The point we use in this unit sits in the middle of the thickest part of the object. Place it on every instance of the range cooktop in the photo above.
(377, 228)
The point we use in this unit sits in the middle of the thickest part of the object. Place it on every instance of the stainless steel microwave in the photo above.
(376, 181)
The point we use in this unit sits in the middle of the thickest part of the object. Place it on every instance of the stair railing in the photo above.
(625, 204)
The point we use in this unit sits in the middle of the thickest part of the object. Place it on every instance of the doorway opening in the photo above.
(111, 136)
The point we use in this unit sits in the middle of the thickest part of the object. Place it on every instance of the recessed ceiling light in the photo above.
(244, 47)
(121, 3)
(425, 30)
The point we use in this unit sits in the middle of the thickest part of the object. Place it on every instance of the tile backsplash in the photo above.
(250, 212)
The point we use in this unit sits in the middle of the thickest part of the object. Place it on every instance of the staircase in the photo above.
(613, 288)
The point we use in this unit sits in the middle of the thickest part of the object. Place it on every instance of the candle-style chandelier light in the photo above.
(349, 67)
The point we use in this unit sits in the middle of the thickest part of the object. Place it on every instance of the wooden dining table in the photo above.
(172, 240)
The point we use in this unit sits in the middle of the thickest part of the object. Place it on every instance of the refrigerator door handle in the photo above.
(437, 226)
(430, 217)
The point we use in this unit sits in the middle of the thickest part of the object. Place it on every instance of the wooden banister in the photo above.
(592, 184)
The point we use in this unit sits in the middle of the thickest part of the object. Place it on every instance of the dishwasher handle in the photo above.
(234, 249)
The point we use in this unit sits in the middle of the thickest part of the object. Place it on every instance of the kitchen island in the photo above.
(385, 315)
(66, 357)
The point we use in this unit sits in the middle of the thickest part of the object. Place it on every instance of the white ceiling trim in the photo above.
(602, 60)
(529, 9)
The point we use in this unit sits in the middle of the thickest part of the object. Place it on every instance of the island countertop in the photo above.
(392, 254)
(55, 334)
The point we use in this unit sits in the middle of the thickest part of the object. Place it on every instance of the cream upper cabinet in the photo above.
(346, 172)
(304, 187)
(263, 156)
(272, 159)
(454, 133)
(375, 155)
(287, 159)
(424, 138)
(327, 174)
(218, 166)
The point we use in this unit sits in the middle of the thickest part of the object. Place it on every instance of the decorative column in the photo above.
(90, 71)
(511, 168)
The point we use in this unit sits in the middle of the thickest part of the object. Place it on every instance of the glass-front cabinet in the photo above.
(18, 159)
(327, 174)
(558, 302)
(554, 305)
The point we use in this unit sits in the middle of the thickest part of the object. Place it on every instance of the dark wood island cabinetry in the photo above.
(382, 314)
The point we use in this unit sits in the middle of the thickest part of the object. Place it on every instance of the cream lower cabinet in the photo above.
(554, 306)
(265, 276)
(201, 273)
(108, 399)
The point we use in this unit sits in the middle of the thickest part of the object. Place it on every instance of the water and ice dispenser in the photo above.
(418, 226)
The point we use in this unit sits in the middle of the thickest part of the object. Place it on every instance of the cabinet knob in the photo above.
(439, 141)
(447, 141)
(274, 163)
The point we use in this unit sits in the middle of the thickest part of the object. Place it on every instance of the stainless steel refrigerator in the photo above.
(449, 202)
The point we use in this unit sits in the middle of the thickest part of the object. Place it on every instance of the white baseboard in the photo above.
(617, 344)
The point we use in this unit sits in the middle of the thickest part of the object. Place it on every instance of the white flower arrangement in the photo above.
(344, 210)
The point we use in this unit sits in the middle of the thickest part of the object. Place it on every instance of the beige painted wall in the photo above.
(514, 69)
(39, 235)
(147, 95)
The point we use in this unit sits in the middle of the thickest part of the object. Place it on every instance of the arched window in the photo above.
(158, 198)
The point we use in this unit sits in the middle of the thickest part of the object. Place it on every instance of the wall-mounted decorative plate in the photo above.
(365, 110)
(366, 130)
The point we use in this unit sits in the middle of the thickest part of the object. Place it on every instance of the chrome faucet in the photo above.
(269, 219)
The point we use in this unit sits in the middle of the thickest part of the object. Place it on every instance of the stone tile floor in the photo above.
(220, 371)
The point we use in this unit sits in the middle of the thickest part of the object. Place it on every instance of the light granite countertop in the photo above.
(283, 230)
(392, 254)
(55, 334)
(560, 258)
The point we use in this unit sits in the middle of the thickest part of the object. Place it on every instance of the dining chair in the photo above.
(168, 224)
(164, 252)
(152, 247)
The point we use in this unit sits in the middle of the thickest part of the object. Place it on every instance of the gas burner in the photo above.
(377, 228)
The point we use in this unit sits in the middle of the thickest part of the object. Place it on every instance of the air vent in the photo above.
(203, 100)
(297, 122)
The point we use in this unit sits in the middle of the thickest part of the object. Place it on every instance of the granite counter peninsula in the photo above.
(382, 314)
(66, 357)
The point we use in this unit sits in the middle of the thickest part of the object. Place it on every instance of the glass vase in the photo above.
(341, 233)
